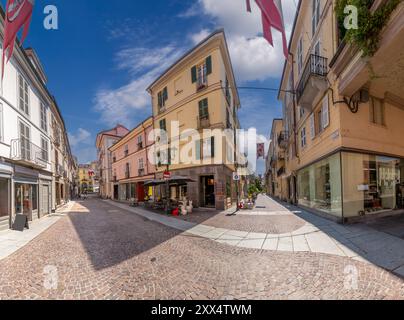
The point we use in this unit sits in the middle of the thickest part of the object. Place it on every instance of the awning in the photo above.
(180, 180)
(24, 180)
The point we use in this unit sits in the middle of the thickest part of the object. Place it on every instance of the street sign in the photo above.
(236, 176)
(167, 175)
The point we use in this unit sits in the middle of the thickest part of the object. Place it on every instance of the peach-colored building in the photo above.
(130, 163)
(106, 139)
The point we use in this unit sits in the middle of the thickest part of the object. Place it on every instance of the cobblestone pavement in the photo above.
(277, 222)
(101, 252)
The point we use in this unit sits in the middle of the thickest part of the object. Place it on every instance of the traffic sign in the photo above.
(236, 176)
(167, 175)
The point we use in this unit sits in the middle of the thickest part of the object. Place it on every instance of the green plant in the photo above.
(370, 25)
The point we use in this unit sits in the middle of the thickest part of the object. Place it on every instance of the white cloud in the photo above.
(252, 56)
(82, 136)
(198, 37)
(120, 105)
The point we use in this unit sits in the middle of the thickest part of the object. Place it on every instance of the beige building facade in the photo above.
(198, 93)
(343, 114)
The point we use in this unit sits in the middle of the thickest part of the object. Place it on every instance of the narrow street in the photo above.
(101, 251)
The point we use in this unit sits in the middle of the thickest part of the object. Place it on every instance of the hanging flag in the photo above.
(260, 150)
(18, 15)
(272, 17)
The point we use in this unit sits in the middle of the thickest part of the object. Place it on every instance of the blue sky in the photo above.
(106, 53)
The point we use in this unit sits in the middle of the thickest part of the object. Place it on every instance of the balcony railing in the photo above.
(140, 145)
(59, 170)
(23, 150)
(316, 66)
(203, 122)
(141, 172)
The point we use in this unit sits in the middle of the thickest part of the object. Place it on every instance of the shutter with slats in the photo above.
(326, 113)
(312, 127)
(209, 65)
(193, 74)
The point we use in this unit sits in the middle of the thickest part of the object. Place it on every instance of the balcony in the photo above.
(384, 78)
(141, 172)
(140, 145)
(283, 140)
(27, 153)
(313, 82)
(59, 171)
(203, 122)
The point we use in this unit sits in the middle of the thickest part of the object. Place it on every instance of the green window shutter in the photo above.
(209, 65)
(212, 146)
(198, 150)
(160, 101)
(165, 94)
(193, 74)
(201, 108)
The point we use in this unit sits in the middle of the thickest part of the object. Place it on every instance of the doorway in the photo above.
(116, 192)
(208, 192)
(26, 200)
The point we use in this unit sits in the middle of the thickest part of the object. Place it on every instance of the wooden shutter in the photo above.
(312, 127)
(326, 113)
(209, 65)
(212, 146)
(198, 150)
(160, 100)
(165, 94)
(193, 74)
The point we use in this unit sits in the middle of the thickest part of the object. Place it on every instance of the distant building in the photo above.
(104, 141)
(131, 166)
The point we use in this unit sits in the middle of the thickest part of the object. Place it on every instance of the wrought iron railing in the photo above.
(203, 122)
(283, 138)
(316, 66)
(24, 150)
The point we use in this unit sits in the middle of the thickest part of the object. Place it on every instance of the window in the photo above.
(315, 16)
(326, 113)
(228, 122)
(44, 149)
(127, 171)
(141, 164)
(163, 125)
(199, 73)
(126, 150)
(300, 55)
(209, 148)
(140, 142)
(23, 94)
(198, 150)
(377, 111)
(312, 127)
(203, 109)
(320, 121)
(25, 141)
(303, 137)
(44, 118)
(162, 97)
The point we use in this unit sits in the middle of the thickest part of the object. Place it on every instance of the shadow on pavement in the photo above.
(111, 235)
(377, 242)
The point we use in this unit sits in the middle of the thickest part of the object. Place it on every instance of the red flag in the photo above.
(18, 15)
(272, 17)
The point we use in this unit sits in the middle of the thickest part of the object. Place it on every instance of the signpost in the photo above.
(167, 176)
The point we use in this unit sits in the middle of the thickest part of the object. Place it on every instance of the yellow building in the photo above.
(86, 181)
(345, 148)
(199, 93)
